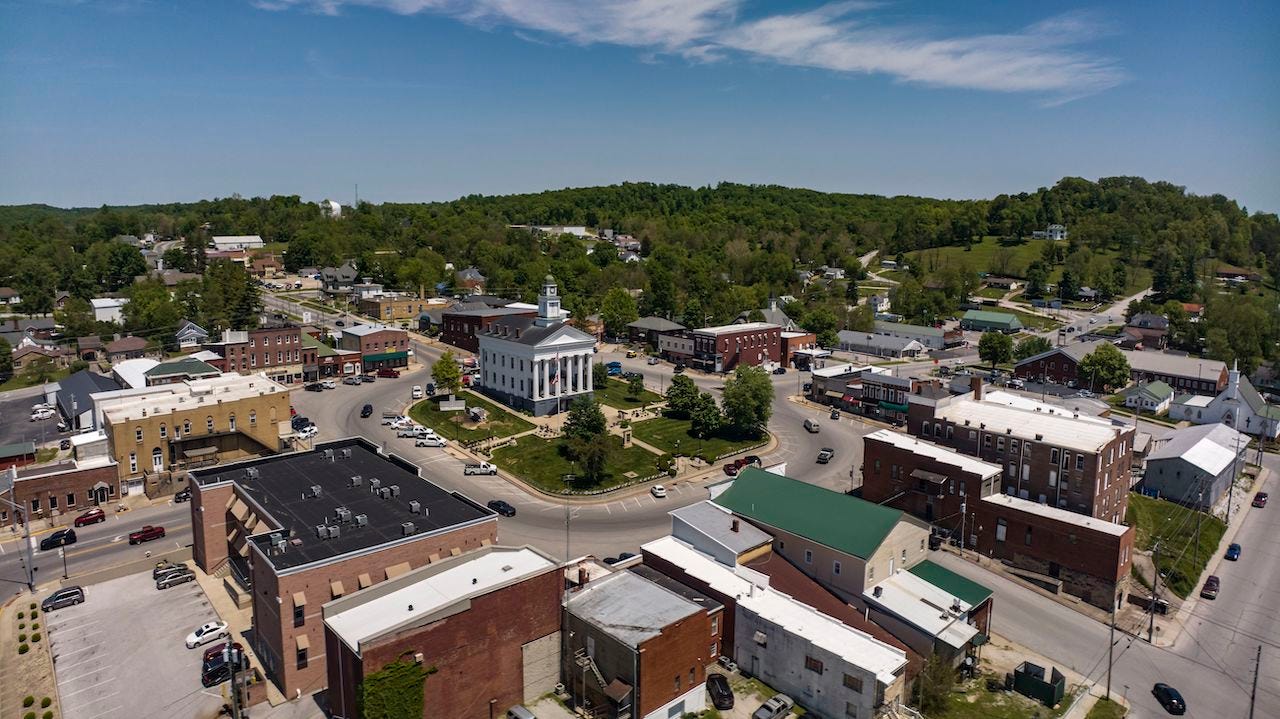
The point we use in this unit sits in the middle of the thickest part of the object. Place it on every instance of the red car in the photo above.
(1260, 499)
(93, 516)
(216, 650)
(388, 372)
(731, 469)
(146, 534)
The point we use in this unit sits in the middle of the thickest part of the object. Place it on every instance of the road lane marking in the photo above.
(93, 686)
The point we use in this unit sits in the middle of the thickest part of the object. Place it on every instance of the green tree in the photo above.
(6, 358)
(447, 374)
(1037, 278)
(934, 685)
(748, 400)
(599, 376)
(34, 281)
(681, 396)
(1030, 347)
(995, 347)
(592, 455)
(419, 275)
(705, 417)
(1105, 367)
(38, 370)
(823, 323)
(617, 310)
(151, 312)
(1068, 286)
(635, 387)
(77, 318)
(585, 419)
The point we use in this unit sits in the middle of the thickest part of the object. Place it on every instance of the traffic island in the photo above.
(545, 465)
(465, 427)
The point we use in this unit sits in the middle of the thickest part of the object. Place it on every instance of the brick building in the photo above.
(304, 528)
(1059, 365)
(66, 487)
(378, 346)
(1049, 454)
(927, 480)
(462, 328)
(319, 360)
(273, 351)
(395, 307)
(721, 349)
(487, 623)
(1184, 373)
(793, 342)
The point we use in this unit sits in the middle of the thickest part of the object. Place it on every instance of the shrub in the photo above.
(23, 648)
(47, 715)
(34, 613)
(44, 703)
(22, 625)
(35, 626)
(35, 637)
(22, 615)
(31, 606)
(28, 700)
(29, 715)
(22, 637)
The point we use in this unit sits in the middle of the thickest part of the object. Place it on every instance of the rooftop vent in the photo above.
(334, 531)
(374, 484)
(361, 520)
(357, 480)
(507, 567)
(346, 453)
(277, 537)
(877, 591)
(328, 454)
(385, 493)
(407, 528)
(344, 514)
(252, 473)
(279, 545)
(322, 531)
(1039, 437)
(395, 490)
(315, 490)
(415, 507)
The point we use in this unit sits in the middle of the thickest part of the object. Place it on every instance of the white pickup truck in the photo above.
(411, 430)
(480, 468)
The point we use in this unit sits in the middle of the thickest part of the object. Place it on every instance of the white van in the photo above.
(812, 426)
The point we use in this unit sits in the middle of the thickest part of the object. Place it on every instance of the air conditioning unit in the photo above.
(346, 453)
(315, 490)
(407, 528)
(356, 480)
(395, 490)
(277, 537)
(279, 545)
(344, 514)
(415, 507)
(385, 493)
(334, 531)
(361, 520)
(322, 531)
(252, 473)
(374, 483)
(328, 454)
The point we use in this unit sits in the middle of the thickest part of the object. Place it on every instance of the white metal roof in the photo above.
(133, 372)
(102, 303)
(1022, 401)
(362, 330)
(751, 591)
(836, 370)
(1055, 426)
(1061, 515)
(933, 451)
(1194, 400)
(420, 599)
(924, 606)
(1210, 447)
(744, 327)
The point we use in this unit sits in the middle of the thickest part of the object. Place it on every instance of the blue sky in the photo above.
(131, 101)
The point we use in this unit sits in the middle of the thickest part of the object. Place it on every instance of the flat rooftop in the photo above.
(734, 329)
(1057, 426)
(924, 606)
(944, 455)
(629, 608)
(190, 394)
(280, 487)
(1083, 521)
(716, 523)
(431, 592)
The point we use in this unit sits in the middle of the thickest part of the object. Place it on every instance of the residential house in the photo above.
(1003, 283)
(1053, 232)
(1238, 405)
(646, 329)
(879, 304)
(1149, 330)
(9, 296)
(1060, 365)
(773, 315)
(339, 280)
(190, 335)
(472, 280)
(266, 267)
(60, 299)
(1196, 465)
(1154, 397)
(24, 355)
(90, 349)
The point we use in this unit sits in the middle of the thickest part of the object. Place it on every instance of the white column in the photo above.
(586, 372)
(577, 373)
(546, 381)
(590, 375)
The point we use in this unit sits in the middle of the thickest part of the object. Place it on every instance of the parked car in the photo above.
(502, 508)
(835, 414)
(366, 411)
(1085, 394)
(407, 430)
(92, 516)
(731, 469)
(1233, 551)
(430, 441)
(416, 392)
(64, 445)
(217, 649)
(182, 495)
(1211, 587)
(351, 380)
(752, 459)
(431, 389)
(146, 534)
(388, 372)
(778, 706)
(41, 414)
(811, 426)
(64, 597)
(652, 360)
(59, 538)
(205, 633)
(340, 323)
(173, 579)
(719, 690)
(658, 491)
(329, 384)
(779, 370)
(215, 672)
(298, 422)
(1017, 383)
(164, 567)
(41, 406)
(825, 455)
(1260, 499)
(308, 432)
(314, 387)
(679, 368)
(367, 378)
(479, 468)
(1169, 698)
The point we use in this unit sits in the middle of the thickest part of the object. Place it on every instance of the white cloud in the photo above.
(842, 37)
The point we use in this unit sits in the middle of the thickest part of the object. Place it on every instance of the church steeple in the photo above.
(549, 312)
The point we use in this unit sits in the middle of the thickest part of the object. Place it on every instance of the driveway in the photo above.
(121, 653)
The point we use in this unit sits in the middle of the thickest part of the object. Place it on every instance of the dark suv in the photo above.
(62, 598)
(366, 411)
(719, 691)
(58, 539)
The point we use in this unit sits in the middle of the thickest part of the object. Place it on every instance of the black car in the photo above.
(367, 378)
(183, 495)
(215, 671)
(340, 323)
(366, 411)
(779, 370)
(719, 691)
(62, 598)
(625, 556)
(58, 539)
(299, 422)
(1169, 698)
(64, 444)
(502, 508)
(679, 368)
(314, 387)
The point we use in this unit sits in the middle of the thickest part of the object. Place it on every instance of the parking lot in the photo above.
(16, 426)
(122, 653)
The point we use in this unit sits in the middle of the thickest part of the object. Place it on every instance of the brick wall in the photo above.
(683, 651)
(1059, 368)
(886, 475)
(69, 490)
(725, 624)
(209, 524)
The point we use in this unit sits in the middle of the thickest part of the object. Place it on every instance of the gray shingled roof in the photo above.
(656, 324)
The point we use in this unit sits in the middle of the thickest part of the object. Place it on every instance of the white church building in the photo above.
(1239, 406)
(539, 364)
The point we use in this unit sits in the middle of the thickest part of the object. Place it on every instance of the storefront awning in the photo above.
(834, 394)
(386, 356)
(302, 642)
(893, 407)
(201, 452)
(933, 477)
(850, 399)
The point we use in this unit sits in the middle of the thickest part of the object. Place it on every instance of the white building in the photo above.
(331, 208)
(1239, 405)
(109, 309)
(1054, 232)
(539, 364)
(224, 243)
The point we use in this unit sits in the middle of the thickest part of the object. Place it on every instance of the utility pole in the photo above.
(1253, 694)
(963, 517)
(1155, 594)
(1235, 463)
(232, 657)
(1111, 645)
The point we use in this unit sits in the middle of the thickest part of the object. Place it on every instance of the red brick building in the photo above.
(462, 328)
(304, 528)
(486, 623)
(275, 351)
(17, 454)
(378, 346)
(66, 487)
(721, 349)
(1059, 365)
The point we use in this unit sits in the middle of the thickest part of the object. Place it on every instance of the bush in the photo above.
(32, 607)
(22, 625)
(22, 637)
(34, 614)
(28, 700)
(35, 637)
(23, 648)
(22, 615)
(29, 715)
(47, 715)
(35, 626)
(44, 703)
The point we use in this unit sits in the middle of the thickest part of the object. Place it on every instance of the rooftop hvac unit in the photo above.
(361, 520)
(415, 507)
(356, 480)
(344, 514)
(315, 490)
(385, 493)
(252, 473)
(277, 537)
(395, 490)
(374, 483)
(322, 531)
(407, 528)
(279, 545)
(328, 454)
(346, 452)
(334, 531)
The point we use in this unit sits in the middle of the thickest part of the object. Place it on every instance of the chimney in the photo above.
(734, 526)
(583, 576)
(975, 384)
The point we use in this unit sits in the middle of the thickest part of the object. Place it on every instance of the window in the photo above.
(1001, 527)
(1079, 461)
(71, 499)
(232, 421)
(1053, 456)
(302, 658)
(986, 441)
(999, 444)
(186, 427)
(677, 683)
(973, 436)
(835, 567)
(852, 682)
(851, 710)
(53, 502)
(813, 665)
(715, 650)
(924, 428)
(1027, 540)
(871, 571)
(904, 556)
(133, 463)
(715, 627)
(808, 557)
(164, 432)
(1013, 446)
(299, 614)
(253, 418)
(950, 431)
(137, 434)
(922, 545)
(35, 505)
(208, 423)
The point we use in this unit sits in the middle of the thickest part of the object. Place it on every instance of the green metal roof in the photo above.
(322, 349)
(847, 524)
(1003, 319)
(18, 449)
(963, 588)
(1158, 391)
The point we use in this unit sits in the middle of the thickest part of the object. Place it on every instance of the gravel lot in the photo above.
(121, 652)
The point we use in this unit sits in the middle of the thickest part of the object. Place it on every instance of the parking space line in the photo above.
(82, 676)
(102, 714)
(89, 702)
(95, 686)
(606, 508)
(65, 667)
(77, 651)
(638, 505)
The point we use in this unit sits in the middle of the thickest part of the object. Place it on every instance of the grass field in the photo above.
(20, 380)
(615, 395)
(665, 432)
(541, 463)
(1106, 709)
(450, 425)
(991, 293)
(1181, 559)
(1030, 321)
(1021, 254)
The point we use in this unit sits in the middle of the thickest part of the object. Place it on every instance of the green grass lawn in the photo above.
(991, 293)
(616, 395)
(1021, 254)
(1175, 527)
(971, 700)
(665, 432)
(450, 425)
(541, 463)
(20, 380)
(46, 454)
(1028, 320)
(1106, 709)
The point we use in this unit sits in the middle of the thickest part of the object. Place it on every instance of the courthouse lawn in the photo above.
(616, 395)
(664, 432)
(541, 463)
(454, 424)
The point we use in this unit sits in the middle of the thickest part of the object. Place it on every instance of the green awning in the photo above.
(892, 406)
(979, 639)
(386, 356)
